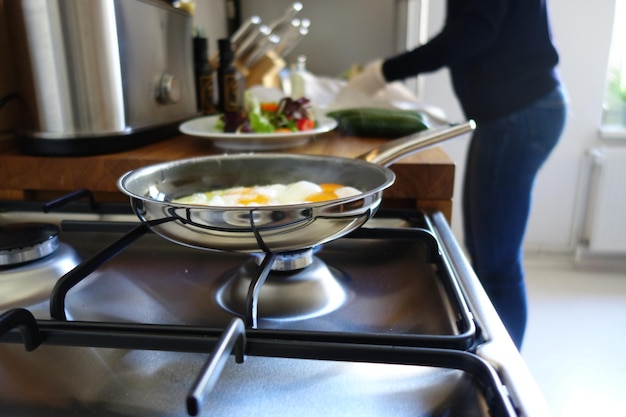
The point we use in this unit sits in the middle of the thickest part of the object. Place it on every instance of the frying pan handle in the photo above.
(394, 150)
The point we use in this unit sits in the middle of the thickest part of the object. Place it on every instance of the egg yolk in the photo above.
(329, 187)
(321, 196)
(253, 198)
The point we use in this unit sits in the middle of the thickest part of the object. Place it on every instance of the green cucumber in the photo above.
(379, 122)
(376, 111)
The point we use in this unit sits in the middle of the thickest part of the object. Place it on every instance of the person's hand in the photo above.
(362, 86)
(370, 80)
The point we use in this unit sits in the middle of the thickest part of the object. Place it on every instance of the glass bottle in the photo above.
(204, 75)
(298, 80)
(230, 83)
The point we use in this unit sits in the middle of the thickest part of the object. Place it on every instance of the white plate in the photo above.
(205, 127)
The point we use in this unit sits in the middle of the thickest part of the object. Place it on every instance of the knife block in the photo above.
(264, 72)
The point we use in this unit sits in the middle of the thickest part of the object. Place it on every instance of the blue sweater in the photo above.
(499, 52)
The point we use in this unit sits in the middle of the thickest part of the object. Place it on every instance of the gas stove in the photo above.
(102, 317)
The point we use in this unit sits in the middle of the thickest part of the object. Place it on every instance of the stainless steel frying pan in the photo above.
(278, 228)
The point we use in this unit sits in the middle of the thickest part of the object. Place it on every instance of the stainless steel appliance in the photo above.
(388, 320)
(102, 75)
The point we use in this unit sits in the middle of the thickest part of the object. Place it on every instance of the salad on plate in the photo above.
(269, 115)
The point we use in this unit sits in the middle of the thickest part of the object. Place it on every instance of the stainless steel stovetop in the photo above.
(388, 321)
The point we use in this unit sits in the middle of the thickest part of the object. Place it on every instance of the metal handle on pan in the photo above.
(396, 149)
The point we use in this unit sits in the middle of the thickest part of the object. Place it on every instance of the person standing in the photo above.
(503, 66)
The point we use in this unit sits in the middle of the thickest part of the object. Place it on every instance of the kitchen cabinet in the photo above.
(424, 180)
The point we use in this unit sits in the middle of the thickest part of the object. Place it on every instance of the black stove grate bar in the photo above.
(233, 340)
(177, 338)
(416, 233)
(252, 298)
(68, 198)
(195, 339)
(236, 339)
(22, 320)
(69, 280)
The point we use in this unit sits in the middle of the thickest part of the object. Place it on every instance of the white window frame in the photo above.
(614, 109)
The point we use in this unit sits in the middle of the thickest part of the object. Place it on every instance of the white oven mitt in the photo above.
(370, 80)
(364, 84)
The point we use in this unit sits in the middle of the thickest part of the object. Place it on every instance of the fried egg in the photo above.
(270, 195)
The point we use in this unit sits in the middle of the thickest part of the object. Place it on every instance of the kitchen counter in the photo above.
(424, 180)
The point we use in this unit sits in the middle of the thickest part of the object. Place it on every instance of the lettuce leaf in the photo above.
(260, 123)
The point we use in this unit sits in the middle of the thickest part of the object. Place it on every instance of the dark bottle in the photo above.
(205, 80)
(229, 81)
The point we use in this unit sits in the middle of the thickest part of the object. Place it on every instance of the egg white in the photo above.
(346, 192)
(298, 191)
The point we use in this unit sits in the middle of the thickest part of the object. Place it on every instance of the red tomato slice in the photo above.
(305, 124)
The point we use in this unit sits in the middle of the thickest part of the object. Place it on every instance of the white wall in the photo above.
(210, 15)
(582, 31)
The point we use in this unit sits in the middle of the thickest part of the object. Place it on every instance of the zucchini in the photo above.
(379, 122)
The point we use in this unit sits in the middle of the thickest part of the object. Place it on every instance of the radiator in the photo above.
(605, 220)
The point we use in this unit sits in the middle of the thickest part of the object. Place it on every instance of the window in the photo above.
(614, 114)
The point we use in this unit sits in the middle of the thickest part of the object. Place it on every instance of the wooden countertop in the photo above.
(424, 179)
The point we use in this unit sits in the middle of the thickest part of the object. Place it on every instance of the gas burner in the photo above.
(291, 261)
(298, 294)
(31, 262)
(30, 283)
(26, 242)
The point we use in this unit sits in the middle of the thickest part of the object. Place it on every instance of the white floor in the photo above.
(575, 343)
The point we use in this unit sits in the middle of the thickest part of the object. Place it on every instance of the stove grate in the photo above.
(18, 325)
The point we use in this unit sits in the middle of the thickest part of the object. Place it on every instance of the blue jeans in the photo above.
(502, 162)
